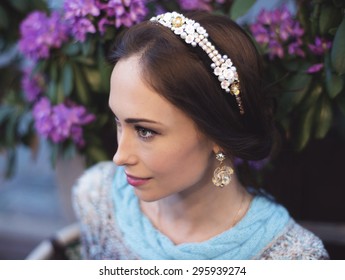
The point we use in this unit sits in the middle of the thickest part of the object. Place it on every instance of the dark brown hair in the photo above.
(182, 74)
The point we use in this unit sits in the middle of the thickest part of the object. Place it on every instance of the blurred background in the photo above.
(31, 206)
(54, 123)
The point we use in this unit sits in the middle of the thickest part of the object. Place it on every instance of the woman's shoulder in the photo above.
(95, 176)
(295, 243)
(94, 183)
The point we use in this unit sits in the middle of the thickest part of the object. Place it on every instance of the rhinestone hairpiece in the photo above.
(196, 35)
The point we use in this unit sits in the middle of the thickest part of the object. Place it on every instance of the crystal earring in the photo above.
(222, 174)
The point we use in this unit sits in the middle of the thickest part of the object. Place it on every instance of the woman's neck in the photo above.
(198, 214)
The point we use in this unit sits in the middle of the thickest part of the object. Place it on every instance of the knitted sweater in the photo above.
(103, 239)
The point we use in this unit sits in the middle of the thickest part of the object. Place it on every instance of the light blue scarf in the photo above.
(262, 223)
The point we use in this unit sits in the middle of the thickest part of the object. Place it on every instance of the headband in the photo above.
(194, 34)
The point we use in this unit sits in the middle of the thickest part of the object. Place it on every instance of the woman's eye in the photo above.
(145, 133)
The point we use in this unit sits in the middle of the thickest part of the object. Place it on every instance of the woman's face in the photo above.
(160, 147)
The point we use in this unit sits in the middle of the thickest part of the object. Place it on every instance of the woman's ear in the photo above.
(216, 149)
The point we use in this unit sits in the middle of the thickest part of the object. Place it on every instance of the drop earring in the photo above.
(222, 174)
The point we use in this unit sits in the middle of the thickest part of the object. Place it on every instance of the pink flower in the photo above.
(41, 33)
(61, 122)
(32, 84)
(126, 12)
(295, 48)
(190, 5)
(320, 46)
(279, 33)
(315, 68)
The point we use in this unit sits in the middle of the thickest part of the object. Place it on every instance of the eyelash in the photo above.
(140, 130)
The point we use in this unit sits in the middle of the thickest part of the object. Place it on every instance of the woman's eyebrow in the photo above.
(138, 120)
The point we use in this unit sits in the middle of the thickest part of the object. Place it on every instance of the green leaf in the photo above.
(53, 72)
(3, 19)
(295, 89)
(88, 47)
(19, 5)
(334, 83)
(314, 18)
(51, 91)
(338, 3)
(41, 67)
(296, 65)
(24, 124)
(305, 129)
(81, 84)
(5, 112)
(333, 31)
(11, 129)
(70, 150)
(97, 154)
(340, 101)
(39, 5)
(10, 164)
(67, 79)
(338, 53)
(323, 118)
(93, 77)
(240, 7)
(60, 95)
(54, 152)
(88, 61)
(330, 17)
(71, 49)
(105, 70)
(312, 97)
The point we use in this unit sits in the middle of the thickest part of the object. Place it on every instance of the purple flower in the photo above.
(32, 84)
(126, 12)
(262, 35)
(80, 8)
(79, 13)
(276, 49)
(320, 46)
(295, 48)
(102, 25)
(81, 27)
(40, 33)
(42, 115)
(258, 164)
(278, 32)
(189, 5)
(253, 164)
(61, 122)
(315, 68)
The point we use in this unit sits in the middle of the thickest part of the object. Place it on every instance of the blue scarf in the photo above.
(263, 222)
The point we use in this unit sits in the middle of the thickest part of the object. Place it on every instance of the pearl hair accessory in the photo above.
(196, 35)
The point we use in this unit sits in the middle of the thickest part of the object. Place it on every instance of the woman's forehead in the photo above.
(131, 96)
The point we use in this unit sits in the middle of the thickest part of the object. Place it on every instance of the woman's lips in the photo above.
(136, 181)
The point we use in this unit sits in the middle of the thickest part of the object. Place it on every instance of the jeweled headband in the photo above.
(194, 34)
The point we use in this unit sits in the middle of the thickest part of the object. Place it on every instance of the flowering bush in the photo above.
(65, 81)
(305, 59)
(15, 125)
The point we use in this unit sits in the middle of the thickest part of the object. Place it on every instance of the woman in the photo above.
(188, 99)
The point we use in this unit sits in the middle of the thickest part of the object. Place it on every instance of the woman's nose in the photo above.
(125, 154)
